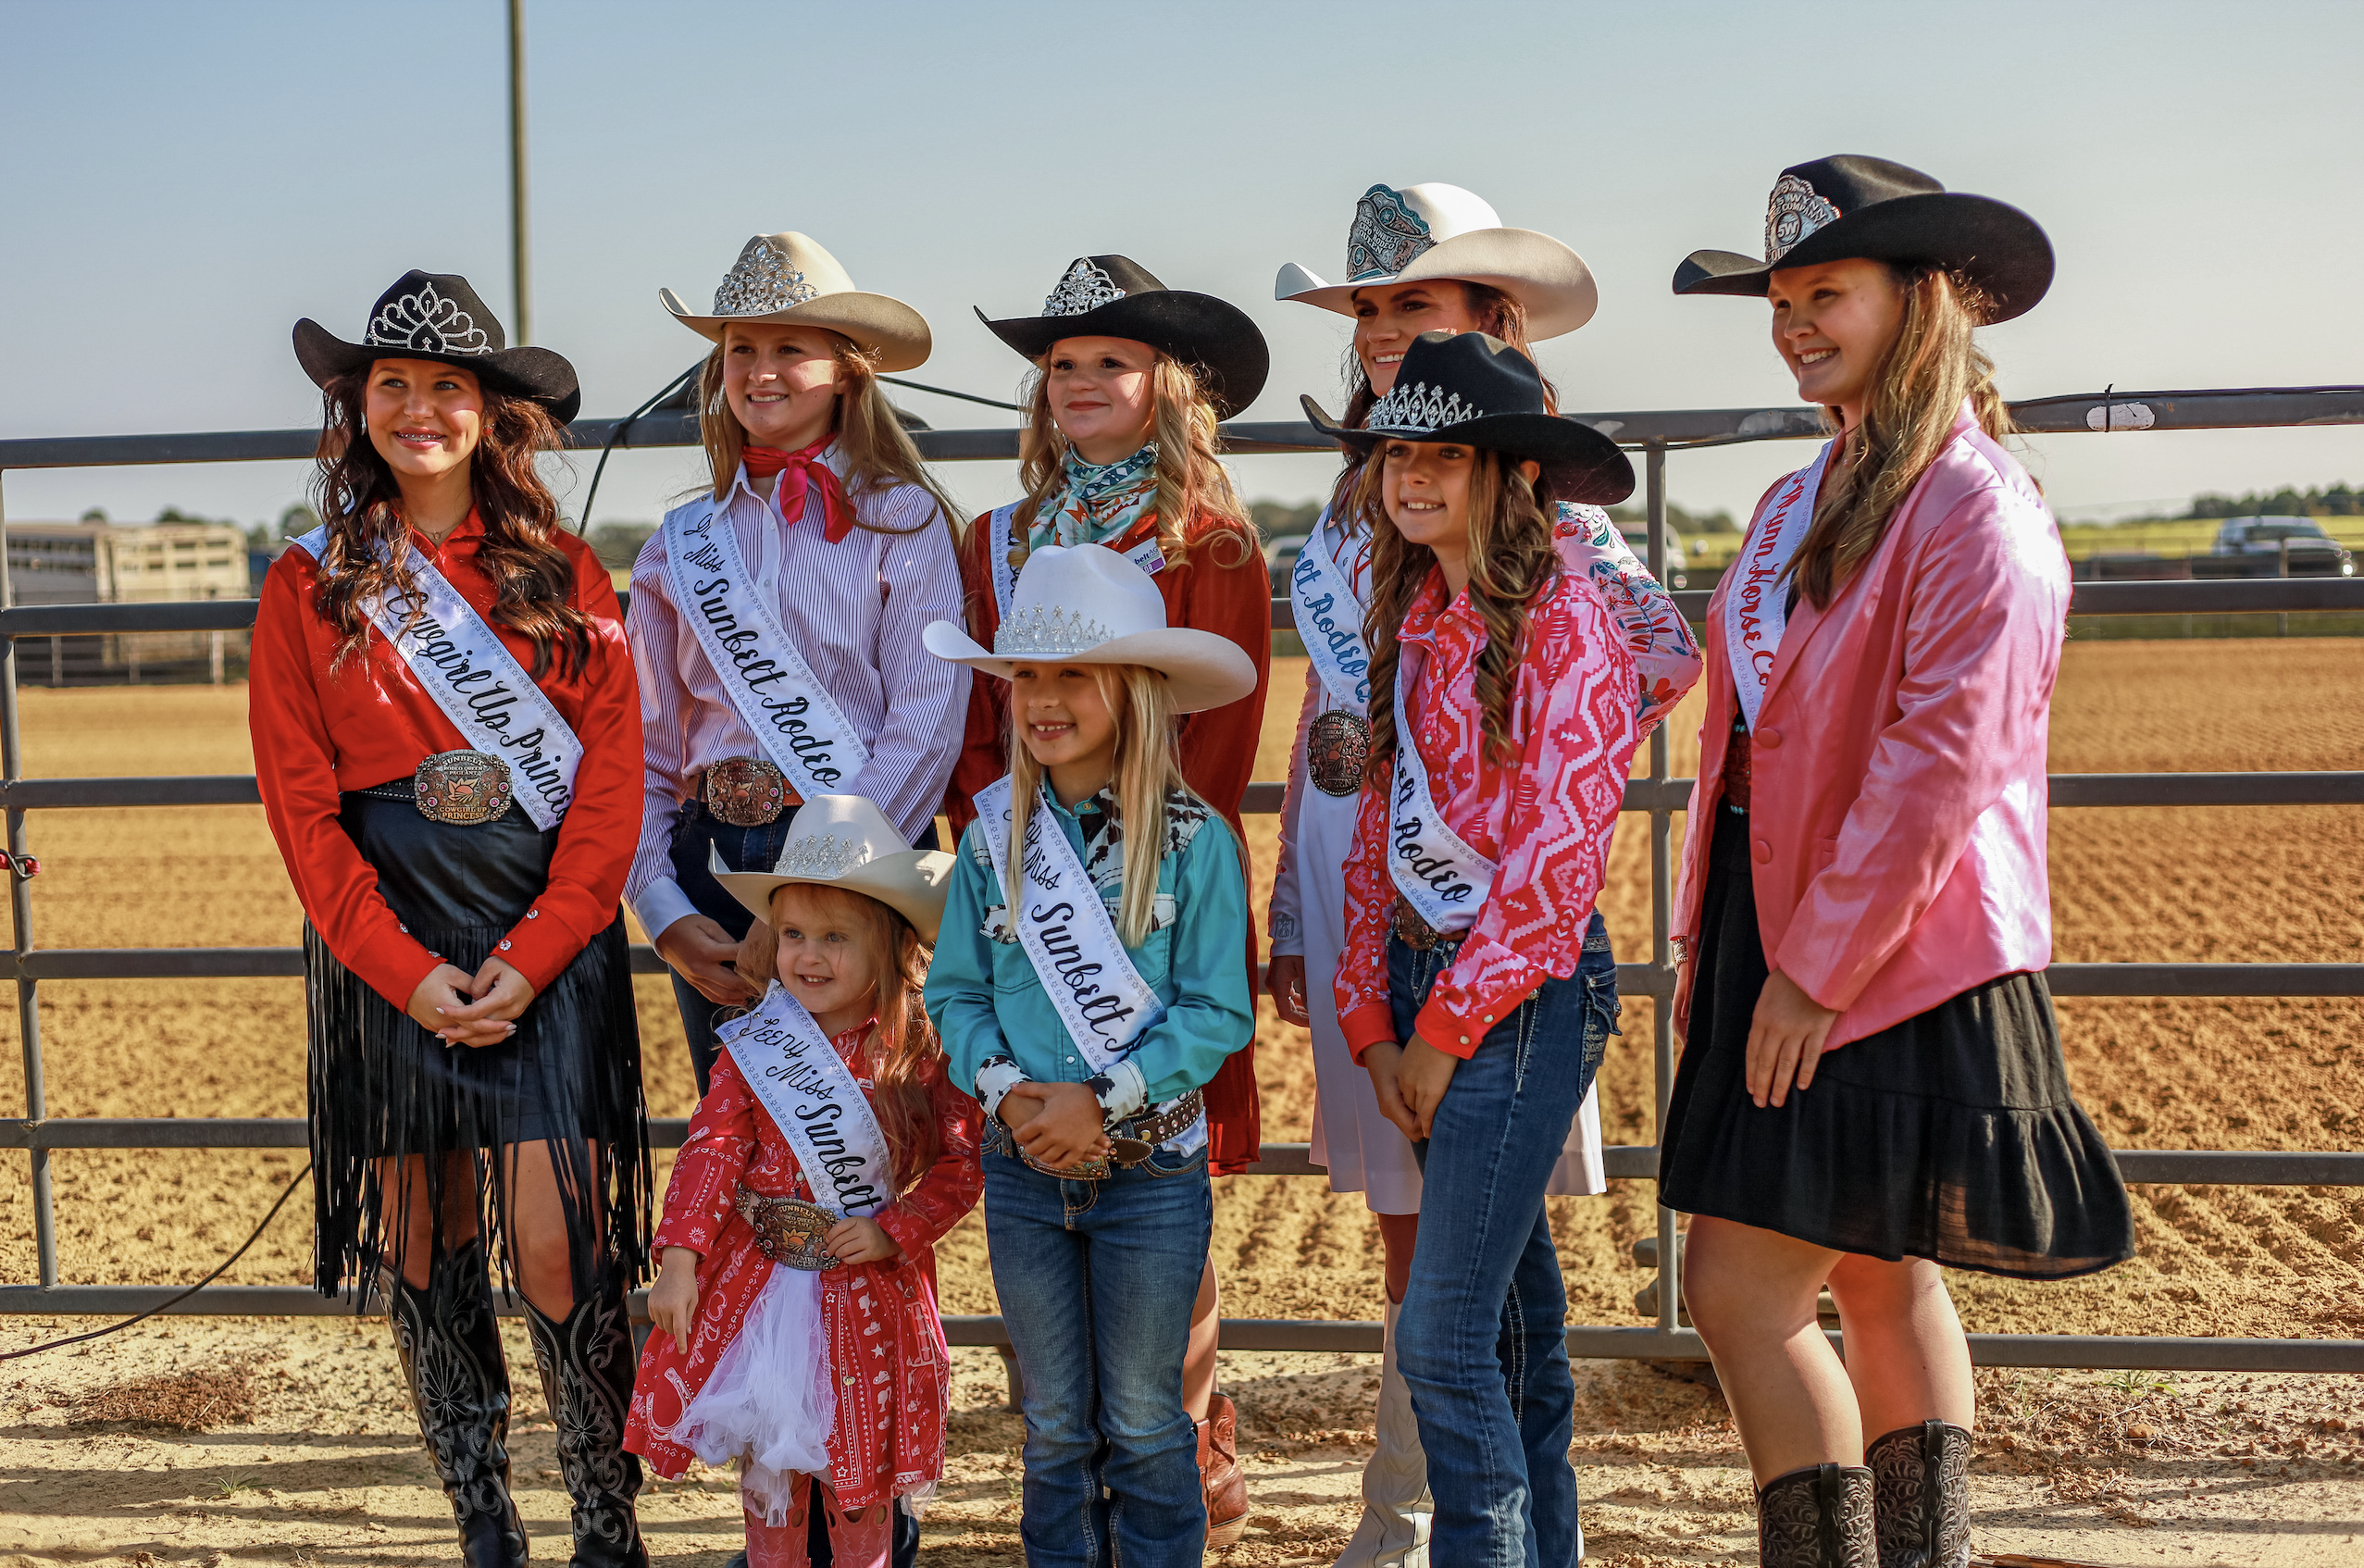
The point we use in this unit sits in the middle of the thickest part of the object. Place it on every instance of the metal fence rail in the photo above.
(1659, 795)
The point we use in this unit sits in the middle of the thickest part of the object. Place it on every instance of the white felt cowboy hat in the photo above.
(1087, 604)
(846, 841)
(787, 278)
(1440, 231)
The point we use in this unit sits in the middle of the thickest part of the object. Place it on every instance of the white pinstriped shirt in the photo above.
(855, 610)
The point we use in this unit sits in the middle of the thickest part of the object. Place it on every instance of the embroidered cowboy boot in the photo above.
(586, 1363)
(1397, 1510)
(1819, 1517)
(1921, 1480)
(449, 1343)
(1219, 1474)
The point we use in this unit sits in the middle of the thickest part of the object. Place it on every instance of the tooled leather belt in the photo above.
(1133, 1140)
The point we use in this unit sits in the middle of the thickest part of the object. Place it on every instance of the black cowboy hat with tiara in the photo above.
(1839, 208)
(1474, 390)
(436, 316)
(1114, 296)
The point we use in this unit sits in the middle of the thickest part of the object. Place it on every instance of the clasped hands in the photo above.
(1411, 1080)
(473, 1010)
(1057, 1124)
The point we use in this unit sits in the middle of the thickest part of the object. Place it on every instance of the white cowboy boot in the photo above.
(1396, 1507)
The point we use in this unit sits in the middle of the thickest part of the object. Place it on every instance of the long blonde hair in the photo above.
(903, 1043)
(1149, 767)
(1191, 481)
(877, 451)
(1510, 561)
(1922, 382)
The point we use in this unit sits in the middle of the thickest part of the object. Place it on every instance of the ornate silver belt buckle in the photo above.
(462, 789)
(789, 1230)
(1336, 749)
(748, 791)
(1413, 930)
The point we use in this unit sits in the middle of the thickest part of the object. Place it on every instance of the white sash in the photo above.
(777, 696)
(1441, 876)
(1330, 618)
(1001, 538)
(811, 1092)
(483, 690)
(1755, 611)
(1065, 930)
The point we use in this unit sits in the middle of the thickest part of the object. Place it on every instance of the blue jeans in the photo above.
(1481, 1342)
(1096, 1280)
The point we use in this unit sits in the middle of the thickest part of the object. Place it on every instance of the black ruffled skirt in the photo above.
(567, 1081)
(1951, 1136)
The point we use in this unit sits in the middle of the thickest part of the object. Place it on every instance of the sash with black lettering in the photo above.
(1065, 930)
(1001, 538)
(801, 1080)
(777, 696)
(1755, 611)
(1329, 617)
(480, 687)
(1438, 874)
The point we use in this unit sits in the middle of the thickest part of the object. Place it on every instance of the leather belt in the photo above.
(746, 792)
(1134, 1139)
(460, 789)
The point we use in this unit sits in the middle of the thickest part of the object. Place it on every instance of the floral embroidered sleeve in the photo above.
(698, 1201)
(1666, 657)
(953, 1183)
(1570, 784)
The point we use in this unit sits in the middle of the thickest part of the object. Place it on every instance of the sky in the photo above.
(183, 180)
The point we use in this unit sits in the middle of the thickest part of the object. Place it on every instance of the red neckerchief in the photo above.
(796, 470)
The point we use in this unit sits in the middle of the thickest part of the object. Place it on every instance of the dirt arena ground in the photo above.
(216, 1441)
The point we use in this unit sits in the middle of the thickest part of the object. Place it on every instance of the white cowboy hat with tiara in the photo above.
(787, 278)
(1429, 231)
(845, 842)
(1086, 604)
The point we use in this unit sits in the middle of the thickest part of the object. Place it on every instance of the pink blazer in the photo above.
(1897, 812)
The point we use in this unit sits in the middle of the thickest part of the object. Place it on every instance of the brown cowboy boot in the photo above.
(1225, 1488)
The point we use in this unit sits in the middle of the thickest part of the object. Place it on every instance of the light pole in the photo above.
(520, 264)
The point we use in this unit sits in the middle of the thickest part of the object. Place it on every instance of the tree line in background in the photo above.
(2340, 501)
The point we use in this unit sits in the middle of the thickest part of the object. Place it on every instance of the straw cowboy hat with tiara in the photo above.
(1087, 604)
(1433, 231)
(788, 280)
(846, 841)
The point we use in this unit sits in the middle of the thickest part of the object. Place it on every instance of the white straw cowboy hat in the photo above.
(1086, 604)
(1442, 231)
(845, 842)
(787, 278)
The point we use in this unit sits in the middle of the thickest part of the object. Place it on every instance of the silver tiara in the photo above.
(761, 282)
(824, 855)
(1387, 236)
(427, 321)
(1793, 212)
(1419, 407)
(1034, 632)
(1085, 287)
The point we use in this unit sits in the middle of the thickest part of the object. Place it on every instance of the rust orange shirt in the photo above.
(318, 732)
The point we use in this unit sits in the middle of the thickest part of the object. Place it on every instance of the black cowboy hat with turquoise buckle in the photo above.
(1114, 296)
(437, 316)
(1475, 390)
(1837, 208)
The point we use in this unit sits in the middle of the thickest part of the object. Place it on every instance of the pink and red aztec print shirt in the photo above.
(885, 1342)
(1545, 817)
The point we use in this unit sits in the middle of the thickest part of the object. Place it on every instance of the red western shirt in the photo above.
(318, 731)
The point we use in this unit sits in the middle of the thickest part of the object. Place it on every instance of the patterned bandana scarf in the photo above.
(1097, 502)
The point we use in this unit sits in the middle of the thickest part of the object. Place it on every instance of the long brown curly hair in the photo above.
(356, 492)
(1511, 562)
(903, 1043)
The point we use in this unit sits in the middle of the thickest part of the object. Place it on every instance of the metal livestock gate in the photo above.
(1654, 435)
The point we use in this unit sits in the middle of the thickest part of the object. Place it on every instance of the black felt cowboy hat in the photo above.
(436, 316)
(1478, 390)
(1850, 205)
(1112, 296)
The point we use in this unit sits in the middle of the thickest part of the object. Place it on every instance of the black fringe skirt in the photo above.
(1952, 1135)
(567, 1081)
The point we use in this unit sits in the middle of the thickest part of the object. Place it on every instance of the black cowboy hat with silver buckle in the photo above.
(437, 316)
(1837, 208)
(1114, 296)
(1475, 390)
